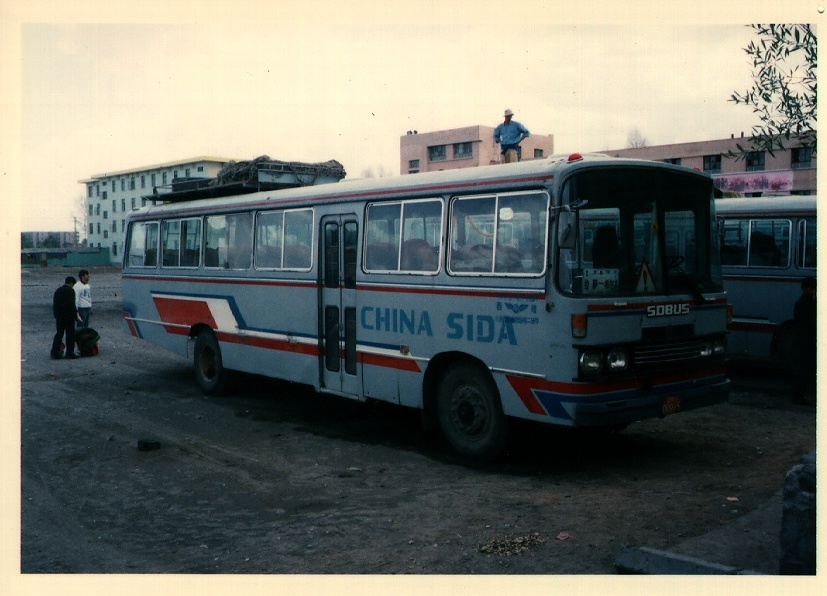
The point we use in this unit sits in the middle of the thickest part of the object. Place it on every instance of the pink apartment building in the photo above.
(462, 148)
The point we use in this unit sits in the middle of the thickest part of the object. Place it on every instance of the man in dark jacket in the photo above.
(804, 321)
(66, 315)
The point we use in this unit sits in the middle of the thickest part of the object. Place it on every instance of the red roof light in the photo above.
(575, 157)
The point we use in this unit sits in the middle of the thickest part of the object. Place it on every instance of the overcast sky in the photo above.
(97, 97)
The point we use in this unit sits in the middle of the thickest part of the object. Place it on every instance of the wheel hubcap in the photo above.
(468, 411)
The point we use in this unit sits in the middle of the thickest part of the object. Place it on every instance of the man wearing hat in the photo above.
(509, 134)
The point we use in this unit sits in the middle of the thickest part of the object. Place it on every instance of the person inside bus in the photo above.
(509, 134)
(804, 323)
(605, 249)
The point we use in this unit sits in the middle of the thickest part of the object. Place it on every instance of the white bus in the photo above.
(476, 295)
(768, 247)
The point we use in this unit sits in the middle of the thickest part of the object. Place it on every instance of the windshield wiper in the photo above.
(689, 282)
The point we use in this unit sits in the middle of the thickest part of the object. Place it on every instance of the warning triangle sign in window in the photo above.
(645, 283)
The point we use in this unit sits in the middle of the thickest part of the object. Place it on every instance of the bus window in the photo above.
(170, 240)
(404, 237)
(421, 234)
(769, 244)
(228, 241)
(298, 239)
(503, 234)
(382, 237)
(734, 242)
(181, 243)
(283, 240)
(807, 244)
(143, 245)
(269, 240)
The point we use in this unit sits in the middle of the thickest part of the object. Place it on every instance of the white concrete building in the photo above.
(112, 195)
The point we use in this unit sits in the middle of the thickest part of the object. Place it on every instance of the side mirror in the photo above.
(566, 229)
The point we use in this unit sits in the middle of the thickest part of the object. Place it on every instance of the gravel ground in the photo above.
(276, 479)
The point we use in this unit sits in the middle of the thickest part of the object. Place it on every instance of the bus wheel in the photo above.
(209, 369)
(470, 413)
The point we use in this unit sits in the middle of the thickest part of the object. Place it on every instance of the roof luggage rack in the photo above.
(244, 177)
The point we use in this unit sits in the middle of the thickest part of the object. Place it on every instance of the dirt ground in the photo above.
(275, 479)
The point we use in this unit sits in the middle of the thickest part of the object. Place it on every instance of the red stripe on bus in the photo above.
(183, 312)
(266, 343)
(225, 281)
(522, 386)
(130, 324)
(405, 364)
(525, 385)
(455, 291)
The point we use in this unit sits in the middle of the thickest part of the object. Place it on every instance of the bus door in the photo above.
(337, 320)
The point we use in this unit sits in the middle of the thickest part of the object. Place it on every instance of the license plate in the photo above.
(670, 405)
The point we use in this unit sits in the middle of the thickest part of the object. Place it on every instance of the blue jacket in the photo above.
(508, 135)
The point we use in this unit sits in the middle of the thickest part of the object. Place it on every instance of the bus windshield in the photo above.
(640, 232)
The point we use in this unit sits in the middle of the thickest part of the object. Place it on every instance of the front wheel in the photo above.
(209, 368)
(470, 413)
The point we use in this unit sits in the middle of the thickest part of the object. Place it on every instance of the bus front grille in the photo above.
(666, 352)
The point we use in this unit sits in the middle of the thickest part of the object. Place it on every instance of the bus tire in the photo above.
(209, 368)
(470, 413)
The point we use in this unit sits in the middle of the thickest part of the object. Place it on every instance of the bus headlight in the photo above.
(719, 347)
(617, 359)
(706, 349)
(591, 362)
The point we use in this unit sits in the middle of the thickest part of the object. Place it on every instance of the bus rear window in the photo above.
(143, 245)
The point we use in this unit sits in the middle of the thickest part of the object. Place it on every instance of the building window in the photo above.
(89, 191)
(164, 178)
(97, 190)
(105, 234)
(133, 203)
(438, 153)
(97, 209)
(187, 173)
(132, 183)
(123, 205)
(114, 206)
(123, 183)
(675, 161)
(712, 164)
(755, 161)
(802, 157)
(463, 150)
(104, 195)
(200, 168)
(152, 179)
(143, 181)
(106, 214)
(413, 164)
(90, 210)
(538, 154)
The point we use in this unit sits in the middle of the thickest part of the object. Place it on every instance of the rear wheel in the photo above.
(470, 413)
(209, 368)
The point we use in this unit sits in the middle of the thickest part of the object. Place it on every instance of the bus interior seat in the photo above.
(381, 256)
(418, 255)
(296, 256)
(508, 260)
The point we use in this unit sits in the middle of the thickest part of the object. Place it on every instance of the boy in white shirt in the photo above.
(83, 299)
